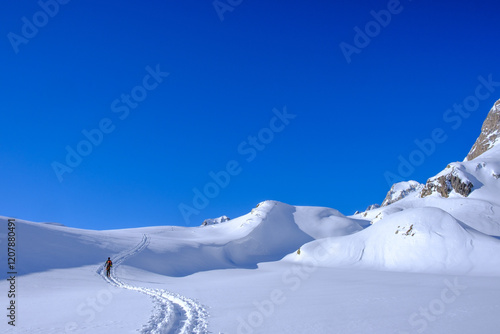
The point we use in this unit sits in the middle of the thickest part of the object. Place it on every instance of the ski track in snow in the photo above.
(174, 313)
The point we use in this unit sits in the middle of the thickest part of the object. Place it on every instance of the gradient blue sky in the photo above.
(353, 120)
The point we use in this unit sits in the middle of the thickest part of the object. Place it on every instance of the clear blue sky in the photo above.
(86, 65)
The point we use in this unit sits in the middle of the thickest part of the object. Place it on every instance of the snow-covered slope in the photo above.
(49, 253)
(414, 240)
(213, 221)
(150, 292)
(62, 267)
(44, 247)
(268, 233)
(478, 207)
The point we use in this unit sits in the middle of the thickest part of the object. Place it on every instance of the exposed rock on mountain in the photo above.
(455, 177)
(452, 178)
(490, 133)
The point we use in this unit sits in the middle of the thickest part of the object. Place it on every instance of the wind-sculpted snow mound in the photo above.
(321, 222)
(275, 235)
(416, 240)
(284, 228)
(268, 233)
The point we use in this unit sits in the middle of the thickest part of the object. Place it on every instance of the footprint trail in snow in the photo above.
(174, 313)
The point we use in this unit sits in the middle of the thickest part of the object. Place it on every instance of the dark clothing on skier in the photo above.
(108, 266)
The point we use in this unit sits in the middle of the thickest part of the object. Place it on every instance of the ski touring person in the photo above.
(108, 266)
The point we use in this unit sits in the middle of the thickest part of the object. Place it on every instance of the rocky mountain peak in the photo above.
(490, 133)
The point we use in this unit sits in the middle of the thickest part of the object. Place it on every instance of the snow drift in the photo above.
(268, 233)
(416, 240)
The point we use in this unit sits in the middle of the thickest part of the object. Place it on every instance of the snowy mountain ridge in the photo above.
(448, 226)
(466, 191)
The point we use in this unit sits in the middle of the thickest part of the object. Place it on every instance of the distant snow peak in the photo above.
(372, 207)
(214, 221)
(453, 178)
(490, 134)
(401, 190)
